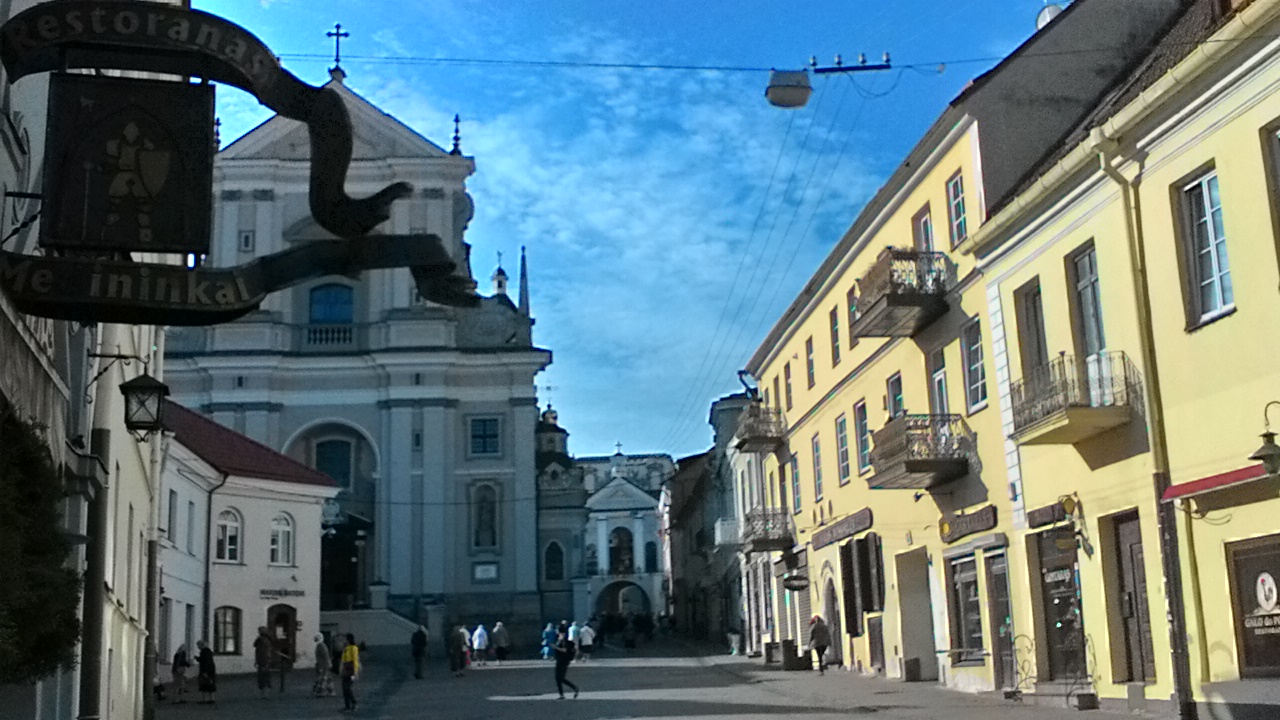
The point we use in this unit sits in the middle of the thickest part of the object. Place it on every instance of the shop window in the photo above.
(1254, 566)
(965, 609)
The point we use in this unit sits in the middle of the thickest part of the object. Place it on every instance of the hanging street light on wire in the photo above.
(791, 88)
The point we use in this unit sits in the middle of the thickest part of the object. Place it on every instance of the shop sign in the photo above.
(955, 527)
(129, 169)
(1256, 593)
(279, 593)
(1047, 515)
(796, 583)
(844, 527)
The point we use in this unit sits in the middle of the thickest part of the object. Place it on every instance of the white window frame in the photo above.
(796, 503)
(223, 549)
(191, 527)
(895, 403)
(842, 449)
(956, 217)
(975, 369)
(816, 445)
(862, 436)
(922, 230)
(810, 367)
(1200, 212)
(834, 317)
(282, 548)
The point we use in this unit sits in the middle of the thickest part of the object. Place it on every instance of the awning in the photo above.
(1213, 483)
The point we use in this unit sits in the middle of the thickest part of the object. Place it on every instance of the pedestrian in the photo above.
(819, 641)
(480, 644)
(574, 628)
(324, 674)
(586, 641)
(350, 670)
(457, 659)
(207, 682)
(501, 640)
(564, 655)
(262, 652)
(548, 641)
(181, 661)
(418, 644)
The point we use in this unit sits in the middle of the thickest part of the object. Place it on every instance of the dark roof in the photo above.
(546, 427)
(234, 454)
(1192, 26)
(544, 458)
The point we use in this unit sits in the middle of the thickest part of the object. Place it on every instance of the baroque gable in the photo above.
(621, 495)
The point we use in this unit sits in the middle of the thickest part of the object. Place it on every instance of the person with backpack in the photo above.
(564, 655)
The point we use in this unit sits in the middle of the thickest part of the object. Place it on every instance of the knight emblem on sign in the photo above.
(140, 170)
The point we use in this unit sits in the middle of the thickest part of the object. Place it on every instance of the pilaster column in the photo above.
(602, 547)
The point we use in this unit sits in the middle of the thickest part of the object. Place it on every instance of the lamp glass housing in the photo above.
(788, 88)
(143, 401)
(1268, 454)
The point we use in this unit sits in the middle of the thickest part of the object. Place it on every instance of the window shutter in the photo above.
(875, 572)
(852, 598)
(863, 576)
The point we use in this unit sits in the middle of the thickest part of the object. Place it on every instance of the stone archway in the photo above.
(623, 598)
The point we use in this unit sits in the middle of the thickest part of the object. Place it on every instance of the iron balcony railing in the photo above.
(768, 529)
(899, 271)
(760, 428)
(1104, 380)
(908, 438)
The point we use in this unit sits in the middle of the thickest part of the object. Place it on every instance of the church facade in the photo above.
(425, 415)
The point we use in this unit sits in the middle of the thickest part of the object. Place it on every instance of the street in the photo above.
(667, 680)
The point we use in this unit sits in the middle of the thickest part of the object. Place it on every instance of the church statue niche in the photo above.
(485, 526)
(622, 559)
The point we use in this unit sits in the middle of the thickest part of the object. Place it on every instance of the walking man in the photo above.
(418, 643)
(350, 669)
(564, 655)
(501, 640)
(819, 641)
(457, 658)
(586, 641)
(262, 651)
(324, 677)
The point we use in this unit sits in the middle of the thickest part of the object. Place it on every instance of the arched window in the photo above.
(333, 458)
(651, 557)
(332, 305)
(226, 631)
(622, 558)
(281, 540)
(228, 537)
(484, 502)
(553, 562)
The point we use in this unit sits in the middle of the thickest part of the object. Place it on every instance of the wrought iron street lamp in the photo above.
(143, 403)
(1269, 453)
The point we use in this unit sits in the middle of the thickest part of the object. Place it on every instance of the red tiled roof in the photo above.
(234, 454)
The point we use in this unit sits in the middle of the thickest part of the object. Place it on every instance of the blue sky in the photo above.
(670, 215)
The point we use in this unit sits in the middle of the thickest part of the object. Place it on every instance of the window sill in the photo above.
(1211, 318)
(865, 471)
(283, 566)
(974, 410)
(227, 562)
(969, 662)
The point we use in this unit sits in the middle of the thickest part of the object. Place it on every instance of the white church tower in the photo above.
(424, 414)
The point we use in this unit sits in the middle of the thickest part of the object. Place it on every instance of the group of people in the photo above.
(466, 647)
(581, 635)
(206, 673)
(344, 663)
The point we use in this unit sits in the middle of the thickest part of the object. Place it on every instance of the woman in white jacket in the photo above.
(480, 645)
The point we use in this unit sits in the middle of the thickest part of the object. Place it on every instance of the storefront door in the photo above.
(1063, 632)
(1136, 627)
(1001, 620)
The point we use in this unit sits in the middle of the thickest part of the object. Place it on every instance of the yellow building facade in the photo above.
(1135, 278)
(1017, 455)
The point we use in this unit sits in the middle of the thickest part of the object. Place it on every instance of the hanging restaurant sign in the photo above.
(952, 528)
(130, 170)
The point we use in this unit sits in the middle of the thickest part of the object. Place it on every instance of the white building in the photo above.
(263, 569)
(424, 414)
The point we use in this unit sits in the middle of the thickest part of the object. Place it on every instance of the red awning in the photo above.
(1215, 482)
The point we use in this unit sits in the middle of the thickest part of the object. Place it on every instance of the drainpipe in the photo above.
(159, 444)
(95, 580)
(1166, 515)
(208, 557)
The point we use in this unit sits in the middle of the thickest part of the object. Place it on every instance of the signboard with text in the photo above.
(1255, 572)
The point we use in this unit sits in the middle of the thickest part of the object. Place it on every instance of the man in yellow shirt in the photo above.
(350, 668)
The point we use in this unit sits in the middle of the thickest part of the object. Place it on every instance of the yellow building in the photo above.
(1135, 274)
(879, 429)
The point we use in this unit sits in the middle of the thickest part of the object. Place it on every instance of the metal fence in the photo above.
(899, 271)
(921, 437)
(767, 524)
(759, 422)
(1104, 380)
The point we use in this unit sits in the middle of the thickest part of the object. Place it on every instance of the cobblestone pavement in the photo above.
(665, 680)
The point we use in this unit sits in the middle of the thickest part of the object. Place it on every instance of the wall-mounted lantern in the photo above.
(143, 402)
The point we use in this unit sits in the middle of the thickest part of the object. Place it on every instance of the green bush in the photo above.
(39, 594)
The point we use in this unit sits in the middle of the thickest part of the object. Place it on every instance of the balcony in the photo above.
(766, 530)
(727, 534)
(1069, 400)
(903, 293)
(921, 452)
(761, 428)
(329, 337)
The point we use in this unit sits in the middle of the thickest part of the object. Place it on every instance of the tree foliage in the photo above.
(39, 594)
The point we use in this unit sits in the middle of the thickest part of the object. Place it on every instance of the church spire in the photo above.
(524, 284)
